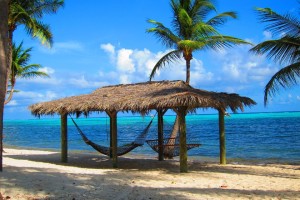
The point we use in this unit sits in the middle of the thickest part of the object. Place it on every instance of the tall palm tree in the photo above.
(4, 12)
(285, 50)
(192, 31)
(21, 69)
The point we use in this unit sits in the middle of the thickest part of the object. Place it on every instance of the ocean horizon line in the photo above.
(148, 115)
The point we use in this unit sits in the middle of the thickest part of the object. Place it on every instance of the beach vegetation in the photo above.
(192, 30)
(284, 50)
(20, 68)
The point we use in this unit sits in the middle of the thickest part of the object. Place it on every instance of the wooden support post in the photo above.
(160, 135)
(110, 137)
(182, 139)
(222, 137)
(64, 138)
(114, 137)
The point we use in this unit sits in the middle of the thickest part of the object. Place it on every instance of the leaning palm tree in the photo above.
(192, 31)
(285, 50)
(21, 69)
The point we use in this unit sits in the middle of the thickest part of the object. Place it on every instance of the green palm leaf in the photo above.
(172, 56)
(285, 78)
(283, 50)
(279, 24)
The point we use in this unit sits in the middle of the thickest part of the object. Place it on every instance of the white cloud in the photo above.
(124, 79)
(124, 61)
(81, 82)
(36, 96)
(63, 47)
(110, 49)
(267, 35)
(47, 70)
(42, 80)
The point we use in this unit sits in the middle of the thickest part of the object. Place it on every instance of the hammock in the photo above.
(121, 150)
(170, 144)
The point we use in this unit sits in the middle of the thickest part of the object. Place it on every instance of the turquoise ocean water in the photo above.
(252, 137)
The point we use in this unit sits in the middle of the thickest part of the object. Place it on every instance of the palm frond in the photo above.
(221, 19)
(172, 56)
(282, 50)
(43, 33)
(164, 34)
(279, 24)
(201, 9)
(203, 30)
(221, 41)
(185, 24)
(285, 78)
(46, 7)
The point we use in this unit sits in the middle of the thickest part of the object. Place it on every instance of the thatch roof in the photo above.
(142, 97)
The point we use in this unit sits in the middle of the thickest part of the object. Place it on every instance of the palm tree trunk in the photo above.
(188, 59)
(4, 11)
(12, 89)
(10, 44)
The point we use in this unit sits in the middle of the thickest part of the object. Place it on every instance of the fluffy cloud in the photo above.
(135, 65)
(125, 61)
(47, 70)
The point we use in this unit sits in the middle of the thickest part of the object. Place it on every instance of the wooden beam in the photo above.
(114, 137)
(64, 137)
(222, 137)
(160, 136)
(181, 112)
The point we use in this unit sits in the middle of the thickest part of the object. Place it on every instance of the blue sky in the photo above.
(99, 43)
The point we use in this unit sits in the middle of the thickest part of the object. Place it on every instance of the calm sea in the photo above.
(252, 137)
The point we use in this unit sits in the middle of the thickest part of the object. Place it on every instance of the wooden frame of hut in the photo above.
(142, 98)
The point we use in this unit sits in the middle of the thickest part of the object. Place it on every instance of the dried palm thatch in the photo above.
(143, 97)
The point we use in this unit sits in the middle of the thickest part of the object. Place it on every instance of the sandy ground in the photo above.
(32, 174)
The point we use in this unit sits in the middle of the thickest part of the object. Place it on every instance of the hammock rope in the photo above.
(121, 150)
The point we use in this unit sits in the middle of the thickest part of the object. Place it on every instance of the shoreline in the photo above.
(38, 174)
(196, 158)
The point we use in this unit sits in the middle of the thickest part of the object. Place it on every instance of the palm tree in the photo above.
(285, 50)
(192, 31)
(29, 14)
(21, 69)
(4, 12)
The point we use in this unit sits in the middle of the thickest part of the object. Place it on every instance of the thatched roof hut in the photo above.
(141, 98)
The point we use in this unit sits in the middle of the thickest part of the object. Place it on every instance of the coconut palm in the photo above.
(285, 50)
(4, 12)
(21, 69)
(193, 30)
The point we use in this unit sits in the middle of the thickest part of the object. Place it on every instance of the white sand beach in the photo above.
(34, 174)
